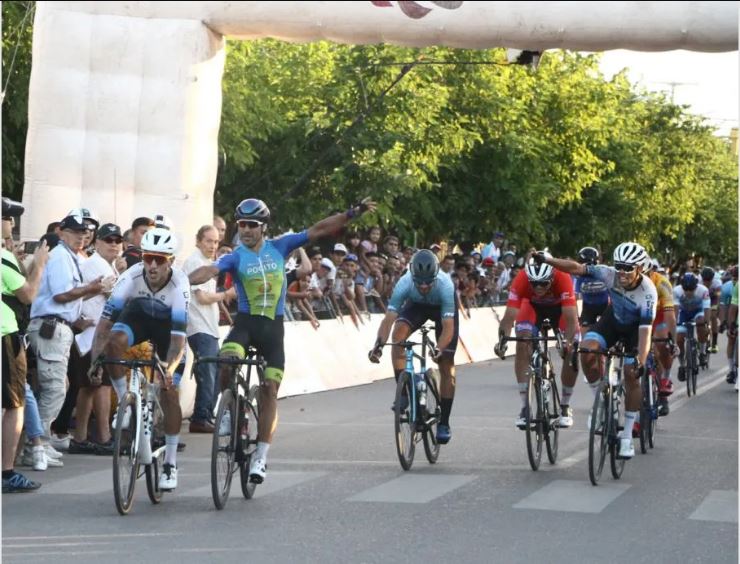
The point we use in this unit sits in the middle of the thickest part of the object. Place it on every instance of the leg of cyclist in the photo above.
(169, 398)
(401, 332)
(714, 324)
(702, 333)
(681, 342)
(525, 326)
(446, 330)
(731, 375)
(664, 357)
(118, 343)
(632, 403)
(568, 325)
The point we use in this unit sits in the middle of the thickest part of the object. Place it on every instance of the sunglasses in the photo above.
(626, 268)
(113, 240)
(248, 224)
(540, 284)
(158, 259)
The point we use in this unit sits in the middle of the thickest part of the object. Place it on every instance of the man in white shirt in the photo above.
(203, 327)
(95, 395)
(493, 249)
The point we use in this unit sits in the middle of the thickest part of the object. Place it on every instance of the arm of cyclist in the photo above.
(334, 223)
(202, 274)
(384, 332)
(570, 313)
(175, 353)
(564, 265)
(643, 344)
(445, 338)
(504, 330)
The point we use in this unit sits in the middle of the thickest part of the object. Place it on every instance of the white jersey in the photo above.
(630, 307)
(699, 300)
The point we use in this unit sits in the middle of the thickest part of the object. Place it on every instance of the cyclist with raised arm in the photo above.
(424, 293)
(537, 293)
(629, 317)
(593, 292)
(713, 283)
(664, 327)
(150, 302)
(258, 270)
(692, 303)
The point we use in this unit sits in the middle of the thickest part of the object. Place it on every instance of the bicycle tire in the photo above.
(617, 415)
(694, 376)
(152, 471)
(534, 424)
(405, 427)
(432, 413)
(248, 487)
(125, 453)
(690, 360)
(223, 451)
(653, 413)
(598, 440)
(645, 414)
(552, 427)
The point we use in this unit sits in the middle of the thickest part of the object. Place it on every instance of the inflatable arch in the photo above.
(125, 97)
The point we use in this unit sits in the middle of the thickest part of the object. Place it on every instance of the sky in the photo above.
(708, 82)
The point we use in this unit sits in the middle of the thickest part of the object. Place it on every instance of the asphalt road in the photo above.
(335, 491)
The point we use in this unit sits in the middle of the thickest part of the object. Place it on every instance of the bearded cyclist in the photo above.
(258, 269)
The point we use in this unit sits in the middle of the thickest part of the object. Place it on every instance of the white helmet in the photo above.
(630, 253)
(538, 272)
(162, 221)
(159, 240)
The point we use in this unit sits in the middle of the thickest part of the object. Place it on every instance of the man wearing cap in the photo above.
(338, 253)
(493, 249)
(17, 291)
(139, 226)
(57, 306)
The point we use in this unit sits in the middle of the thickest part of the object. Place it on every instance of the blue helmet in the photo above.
(689, 282)
(424, 267)
(253, 209)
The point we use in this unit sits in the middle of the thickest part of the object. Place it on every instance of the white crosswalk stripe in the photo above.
(572, 495)
(276, 481)
(413, 488)
(718, 505)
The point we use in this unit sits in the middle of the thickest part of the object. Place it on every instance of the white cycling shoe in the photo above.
(626, 448)
(126, 419)
(257, 471)
(168, 477)
(224, 428)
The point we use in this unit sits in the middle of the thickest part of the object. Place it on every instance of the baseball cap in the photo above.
(475, 253)
(340, 248)
(109, 230)
(488, 261)
(434, 246)
(351, 257)
(327, 263)
(74, 221)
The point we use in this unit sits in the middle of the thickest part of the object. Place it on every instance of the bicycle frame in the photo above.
(410, 356)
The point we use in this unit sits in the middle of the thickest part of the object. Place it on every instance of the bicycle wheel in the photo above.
(153, 470)
(125, 451)
(616, 421)
(653, 412)
(552, 421)
(690, 363)
(534, 423)
(432, 414)
(253, 417)
(694, 375)
(223, 450)
(646, 418)
(405, 425)
(598, 439)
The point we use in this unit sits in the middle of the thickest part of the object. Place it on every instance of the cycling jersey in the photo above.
(715, 289)
(442, 294)
(560, 291)
(630, 307)
(664, 289)
(726, 295)
(592, 290)
(259, 277)
(698, 301)
(734, 299)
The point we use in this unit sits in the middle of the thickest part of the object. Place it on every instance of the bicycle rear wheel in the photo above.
(552, 421)
(694, 375)
(534, 423)
(432, 414)
(153, 470)
(598, 439)
(653, 412)
(646, 418)
(125, 451)
(405, 425)
(690, 364)
(223, 450)
(252, 412)
(615, 421)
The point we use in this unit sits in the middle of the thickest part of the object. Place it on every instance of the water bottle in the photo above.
(613, 379)
(421, 389)
(145, 435)
(244, 427)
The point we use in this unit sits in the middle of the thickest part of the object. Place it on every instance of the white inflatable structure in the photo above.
(125, 97)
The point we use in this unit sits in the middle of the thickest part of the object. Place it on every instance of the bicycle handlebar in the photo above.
(254, 361)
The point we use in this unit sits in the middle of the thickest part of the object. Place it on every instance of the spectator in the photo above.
(344, 292)
(447, 264)
(370, 245)
(391, 245)
(437, 250)
(369, 284)
(407, 253)
(493, 249)
(140, 225)
(354, 245)
(299, 295)
(338, 254)
(53, 227)
(220, 225)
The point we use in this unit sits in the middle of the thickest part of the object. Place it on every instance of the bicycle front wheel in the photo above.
(153, 470)
(598, 440)
(646, 418)
(616, 422)
(552, 421)
(432, 414)
(405, 424)
(252, 413)
(690, 364)
(534, 422)
(223, 449)
(653, 412)
(125, 451)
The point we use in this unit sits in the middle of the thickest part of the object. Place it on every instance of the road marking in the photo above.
(92, 536)
(413, 488)
(574, 496)
(275, 482)
(719, 505)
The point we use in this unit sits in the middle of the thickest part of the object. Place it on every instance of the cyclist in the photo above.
(593, 292)
(257, 267)
(724, 306)
(664, 327)
(629, 317)
(424, 292)
(150, 302)
(713, 283)
(537, 293)
(692, 303)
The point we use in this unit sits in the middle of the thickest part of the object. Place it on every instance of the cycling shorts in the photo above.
(608, 331)
(416, 314)
(590, 313)
(530, 317)
(265, 335)
(696, 316)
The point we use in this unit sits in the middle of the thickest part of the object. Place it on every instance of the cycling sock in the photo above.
(567, 393)
(261, 451)
(731, 363)
(119, 386)
(446, 405)
(595, 387)
(629, 422)
(523, 388)
(170, 449)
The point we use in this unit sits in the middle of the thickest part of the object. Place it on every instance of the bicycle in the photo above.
(416, 411)
(542, 391)
(607, 419)
(133, 444)
(691, 355)
(238, 410)
(649, 406)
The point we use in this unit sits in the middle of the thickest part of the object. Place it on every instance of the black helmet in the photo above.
(11, 208)
(689, 281)
(254, 209)
(707, 273)
(424, 267)
(588, 255)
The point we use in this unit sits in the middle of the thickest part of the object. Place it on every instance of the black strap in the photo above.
(12, 265)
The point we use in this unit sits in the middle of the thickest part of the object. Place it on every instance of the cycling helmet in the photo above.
(630, 253)
(588, 255)
(707, 273)
(162, 221)
(538, 272)
(689, 281)
(11, 208)
(159, 240)
(424, 267)
(254, 209)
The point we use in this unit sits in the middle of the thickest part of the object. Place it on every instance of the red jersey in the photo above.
(560, 291)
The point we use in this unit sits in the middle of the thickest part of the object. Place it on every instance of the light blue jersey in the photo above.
(630, 307)
(442, 294)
